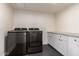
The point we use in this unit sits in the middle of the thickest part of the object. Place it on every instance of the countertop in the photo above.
(65, 33)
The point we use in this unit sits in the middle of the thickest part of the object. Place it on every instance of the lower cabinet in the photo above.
(73, 49)
(59, 42)
(63, 45)
(52, 40)
(66, 45)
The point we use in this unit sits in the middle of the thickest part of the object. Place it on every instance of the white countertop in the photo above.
(67, 34)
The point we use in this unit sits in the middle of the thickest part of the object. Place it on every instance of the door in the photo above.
(35, 38)
(34, 41)
(20, 43)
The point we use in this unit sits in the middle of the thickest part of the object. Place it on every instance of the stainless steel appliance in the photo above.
(24, 42)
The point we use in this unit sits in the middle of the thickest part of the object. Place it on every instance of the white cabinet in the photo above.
(73, 49)
(56, 41)
(66, 45)
(49, 37)
(63, 44)
(52, 39)
(59, 42)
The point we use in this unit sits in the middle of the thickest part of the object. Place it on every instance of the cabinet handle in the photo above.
(60, 40)
(75, 40)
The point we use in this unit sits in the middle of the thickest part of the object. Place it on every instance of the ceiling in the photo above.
(42, 7)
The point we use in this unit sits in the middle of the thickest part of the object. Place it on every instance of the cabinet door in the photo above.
(62, 44)
(54, 40)
(73, 46)
(51, 39)
(59, 42)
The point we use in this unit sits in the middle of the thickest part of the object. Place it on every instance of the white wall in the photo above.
(6, 15)
(35, 19)
(68, 20)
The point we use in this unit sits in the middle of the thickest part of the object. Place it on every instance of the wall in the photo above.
(28, 19)
(68, 20)
(6, 15)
